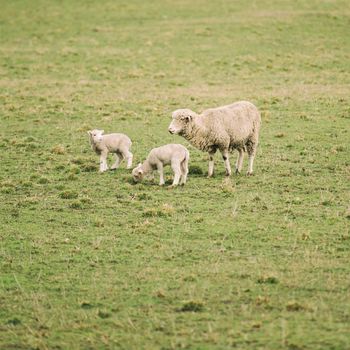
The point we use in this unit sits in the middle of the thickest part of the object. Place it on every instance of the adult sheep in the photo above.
(235, 126)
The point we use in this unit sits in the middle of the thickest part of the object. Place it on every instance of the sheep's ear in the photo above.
(89, 132)
(187, 118)
(102, 131)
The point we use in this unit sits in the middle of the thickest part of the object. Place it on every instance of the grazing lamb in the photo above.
(225, 128)
(111, 143)
(175, 155)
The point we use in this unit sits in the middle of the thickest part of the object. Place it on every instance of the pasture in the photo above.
(94, 261)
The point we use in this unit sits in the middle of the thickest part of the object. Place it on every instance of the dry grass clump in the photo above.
(43, 180)
(347, 213)
(164, 210)
(68, 194)
(77, 204)
(228, 186)
(142, 227)
(268, 280)
(58, 149)
(88, 168)
(7, 186)
(296, 306)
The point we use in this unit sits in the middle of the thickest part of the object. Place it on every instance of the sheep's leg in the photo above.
(225, 156)
(161, 174)
(211, 164)
(239, 162)
(118, 159)
(251, 149)
(103, 161)
(250, 164)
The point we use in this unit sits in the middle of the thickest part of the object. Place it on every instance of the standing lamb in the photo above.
(119, 144)
(225, 128)
(175, 155)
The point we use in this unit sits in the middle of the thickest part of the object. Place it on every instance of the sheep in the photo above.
(175, 155)
(235, 126)
(119, 144)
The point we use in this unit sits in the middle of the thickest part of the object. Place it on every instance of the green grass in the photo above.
(92, 261)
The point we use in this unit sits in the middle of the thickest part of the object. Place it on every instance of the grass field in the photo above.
(93, 261)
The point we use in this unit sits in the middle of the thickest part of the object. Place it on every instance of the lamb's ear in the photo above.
(89, 132)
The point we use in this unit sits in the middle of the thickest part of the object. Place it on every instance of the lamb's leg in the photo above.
(239, 162)
(118, 159)
(175, 165)
(211, 164)
(103, 161)
(129, 158)
(184, 171)
(225, 156)
(161, 174)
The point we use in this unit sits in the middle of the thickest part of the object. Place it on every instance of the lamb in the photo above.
(119, 144)
(235, 126)
(175, 155)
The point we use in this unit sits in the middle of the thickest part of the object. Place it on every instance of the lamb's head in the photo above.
(181, 119)
(137, 173)
(95, 135)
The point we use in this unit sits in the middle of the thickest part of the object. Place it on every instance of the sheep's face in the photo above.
(96, 135)
(181, 119)
(137, 173)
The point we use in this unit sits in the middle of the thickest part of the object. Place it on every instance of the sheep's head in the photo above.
(137, 173)
(181, 120)
(95, 135)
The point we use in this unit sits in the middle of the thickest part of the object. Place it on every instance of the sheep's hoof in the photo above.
(114, 168)
(237, 172)
(227, 174)
(249, 173)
